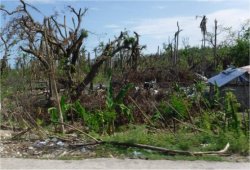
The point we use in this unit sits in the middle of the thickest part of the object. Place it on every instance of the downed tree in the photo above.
(143, 146)
(159, 149)
(169, 151)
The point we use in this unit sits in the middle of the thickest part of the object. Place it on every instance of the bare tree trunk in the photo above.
(89, 63)
(57, 97)
(215, 42)
(176, 44)
(121, 59)
(53, 81)
(110, 60)
(174, 50)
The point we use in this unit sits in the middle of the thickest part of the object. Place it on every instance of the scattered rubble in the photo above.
(49, 148)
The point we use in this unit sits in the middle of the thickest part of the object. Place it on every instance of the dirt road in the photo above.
(104, 163)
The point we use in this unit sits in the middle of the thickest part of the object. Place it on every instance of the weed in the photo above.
(54, 112)
(231, 108)
(114, 104)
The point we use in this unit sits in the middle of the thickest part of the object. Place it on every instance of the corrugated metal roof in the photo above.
(226, 76)
(247, 68)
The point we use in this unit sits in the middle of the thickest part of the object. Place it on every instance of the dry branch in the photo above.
(82, 132)
(169, 151)
(159, 149)
(191, 126)
(18, 135)
(144, 114)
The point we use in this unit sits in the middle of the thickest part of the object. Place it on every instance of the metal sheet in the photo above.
(247, 68)
(226, 76)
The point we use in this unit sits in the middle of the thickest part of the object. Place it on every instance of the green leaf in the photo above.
(109, 100)
(64, 106)
(126, 111)
(39, 121)
(53, 114)
(119, 98)
(80, 110)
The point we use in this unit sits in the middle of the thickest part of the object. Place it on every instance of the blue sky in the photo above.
(155, 21)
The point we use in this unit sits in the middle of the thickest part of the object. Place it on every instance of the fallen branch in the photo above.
(61, 138)
(21, 133)
(159, 149)
(70, 126)
(155, 148)
(169, 151)
(191, 126)
(144, 114)
(85, 144)
(220, 152)
(5, 127)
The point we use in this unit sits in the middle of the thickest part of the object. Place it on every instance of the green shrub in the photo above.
(239, 143)
(177, 107)
(231, 107)
(54, 112)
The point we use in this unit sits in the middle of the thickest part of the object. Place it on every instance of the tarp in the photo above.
(226, 76)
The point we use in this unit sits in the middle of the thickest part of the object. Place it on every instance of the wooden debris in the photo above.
(159, 149)
(18, 135)
(169, 151)
(82, 132)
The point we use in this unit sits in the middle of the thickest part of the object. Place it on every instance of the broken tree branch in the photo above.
(82, 132)
(192, 126)
(159, 149)
(144, 114)
(18, 135)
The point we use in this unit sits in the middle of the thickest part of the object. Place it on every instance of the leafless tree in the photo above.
(212, 39)
(50, 41)
(64, 43)
(203, 27)
(176, 43)
(135, 51)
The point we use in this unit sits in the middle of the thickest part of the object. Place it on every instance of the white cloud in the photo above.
(160, 7)
(112, 26)
(230, 17)
(94, 9)
(160, 29)
(40, 1)
(48, 1)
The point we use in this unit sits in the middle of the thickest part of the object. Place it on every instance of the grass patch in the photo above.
(135, 153)
(194, 158)
(182, 140)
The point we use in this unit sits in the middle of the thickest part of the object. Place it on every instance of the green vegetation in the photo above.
(123, 95)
